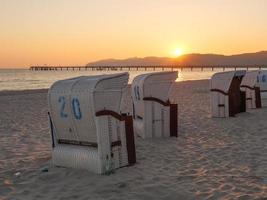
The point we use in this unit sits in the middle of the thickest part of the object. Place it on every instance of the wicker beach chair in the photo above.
(88, 130)
(254, 84)
(250, 86)
(154, 115)
(262, 84)
(226, 97)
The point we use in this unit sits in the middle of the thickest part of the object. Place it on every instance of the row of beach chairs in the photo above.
(234, 92)
(90, 131)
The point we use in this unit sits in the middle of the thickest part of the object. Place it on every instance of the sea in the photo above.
(25, 79)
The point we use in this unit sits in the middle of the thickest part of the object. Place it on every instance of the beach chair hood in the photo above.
(222, 80)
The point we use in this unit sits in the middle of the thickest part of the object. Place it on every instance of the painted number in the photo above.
(63, 104)
(136, 93)
(263, 78)
(75, 107)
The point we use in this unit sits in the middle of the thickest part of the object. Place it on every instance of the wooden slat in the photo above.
(130, 140)
(220, 91)
(80, 143)
(247, 86)
(110, 113)
(173, 120)
(85, 143)
(167, 103)
(258, 97)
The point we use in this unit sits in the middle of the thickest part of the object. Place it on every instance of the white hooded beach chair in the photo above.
(226, 97)
(154, 115)
(87, 128)
(262, 84)
(250, 85)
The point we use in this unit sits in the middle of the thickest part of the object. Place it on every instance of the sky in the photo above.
(75, 32)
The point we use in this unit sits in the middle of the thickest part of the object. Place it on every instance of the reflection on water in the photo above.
(21, 79)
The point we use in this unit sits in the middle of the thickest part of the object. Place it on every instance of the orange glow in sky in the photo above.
(178, 52)
(75, 32)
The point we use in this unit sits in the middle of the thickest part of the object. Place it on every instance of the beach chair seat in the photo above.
(88, 130)
(154, 115)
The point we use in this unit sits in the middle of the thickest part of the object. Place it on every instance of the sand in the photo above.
(211, 158)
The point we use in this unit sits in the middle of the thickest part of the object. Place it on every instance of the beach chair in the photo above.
(88, 130)
(262, 84)
(154, 115)
(250, 86)
(226, 97)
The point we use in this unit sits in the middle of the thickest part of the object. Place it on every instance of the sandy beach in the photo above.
(212, 158)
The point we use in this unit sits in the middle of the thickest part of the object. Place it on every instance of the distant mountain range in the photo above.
(258, 58)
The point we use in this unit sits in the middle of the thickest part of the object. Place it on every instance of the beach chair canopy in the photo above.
(74, 102)
(85, 111)
(250, 79)
(150, 94)
(222, 80)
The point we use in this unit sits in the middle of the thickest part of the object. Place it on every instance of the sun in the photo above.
(178, 52)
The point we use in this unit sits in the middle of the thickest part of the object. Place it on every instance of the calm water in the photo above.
(21, 79)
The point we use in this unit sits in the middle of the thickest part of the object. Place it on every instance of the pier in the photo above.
(147, 68)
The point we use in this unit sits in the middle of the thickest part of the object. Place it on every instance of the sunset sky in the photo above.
(75, 32)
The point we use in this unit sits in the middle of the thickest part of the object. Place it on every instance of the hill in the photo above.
(258, 58)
